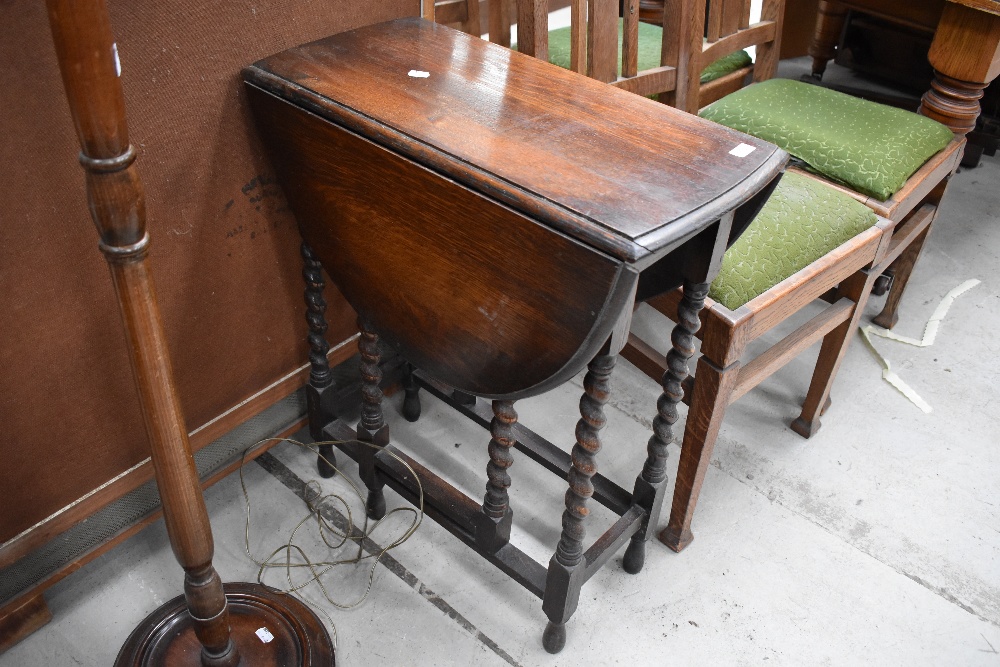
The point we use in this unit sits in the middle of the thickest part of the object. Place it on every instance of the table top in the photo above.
(620, 172)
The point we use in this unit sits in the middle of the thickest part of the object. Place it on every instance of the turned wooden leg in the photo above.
(829, 26)
(492, 524)
(965, 55)
(411, 394)
(857, 288)
(953, 102)
(902, 269)
(320, 390)
(567, 566)
(651, 483)
(372, 427)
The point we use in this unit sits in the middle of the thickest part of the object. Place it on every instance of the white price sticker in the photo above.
(743, 150)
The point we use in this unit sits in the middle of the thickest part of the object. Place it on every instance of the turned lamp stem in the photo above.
(90, 69)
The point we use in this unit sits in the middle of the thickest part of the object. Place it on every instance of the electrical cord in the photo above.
(292, 557)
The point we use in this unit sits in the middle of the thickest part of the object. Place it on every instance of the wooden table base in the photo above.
(270, 629)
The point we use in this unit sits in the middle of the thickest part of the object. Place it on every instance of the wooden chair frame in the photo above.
(464, 15)
(460, 14)
(725, 26)
(704, 37)
(848, 274)
(594, 44)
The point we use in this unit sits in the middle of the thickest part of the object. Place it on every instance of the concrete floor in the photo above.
(876, 542)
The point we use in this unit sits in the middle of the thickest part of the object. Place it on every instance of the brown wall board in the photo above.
(224, 245)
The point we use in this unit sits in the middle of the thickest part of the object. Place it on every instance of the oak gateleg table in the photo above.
(494, 219)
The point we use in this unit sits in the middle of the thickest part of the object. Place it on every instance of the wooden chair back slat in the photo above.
(578, 36)
(533, 28)
(594, 50)
(714, 18)
(602, 40)
(630, 38)
(473, 25)
(726, 25)
(460, 14)
(732, 13)
(499, 22)
(768, 53)
(448, 12)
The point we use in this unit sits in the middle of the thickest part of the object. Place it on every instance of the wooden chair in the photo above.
(459, 14)
(906, 218)
(464, 15)
(600, 44)
(844, 258)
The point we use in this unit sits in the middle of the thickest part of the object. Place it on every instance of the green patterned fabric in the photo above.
(802, 221)
(870, 147)
(650, 40)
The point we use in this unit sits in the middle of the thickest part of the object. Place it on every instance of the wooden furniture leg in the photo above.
(198, 628)
(372, 427)
(901, 269)
(411, 394)
(857, 288)
(829, 25)
(650, 485)
(711, 396)
(965, 55)
(567, 568)
(492, 524)
(320, 390)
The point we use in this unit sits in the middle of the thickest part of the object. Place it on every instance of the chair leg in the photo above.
(320, 390)
(857, 288)
(903, 268)
(713, 388)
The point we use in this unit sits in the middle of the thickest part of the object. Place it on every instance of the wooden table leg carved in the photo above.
(965, 55)
(829, 24)
(487, 527)
(320, 390)
(965, 52)
(209, 625)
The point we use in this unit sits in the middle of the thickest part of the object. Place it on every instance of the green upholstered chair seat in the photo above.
(802, 221)
(869, 147)
(650, 40)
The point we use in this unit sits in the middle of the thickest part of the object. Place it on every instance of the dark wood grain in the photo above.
(495, 283)
(563, 149)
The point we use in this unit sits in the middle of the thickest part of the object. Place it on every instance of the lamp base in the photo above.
(270, 629)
